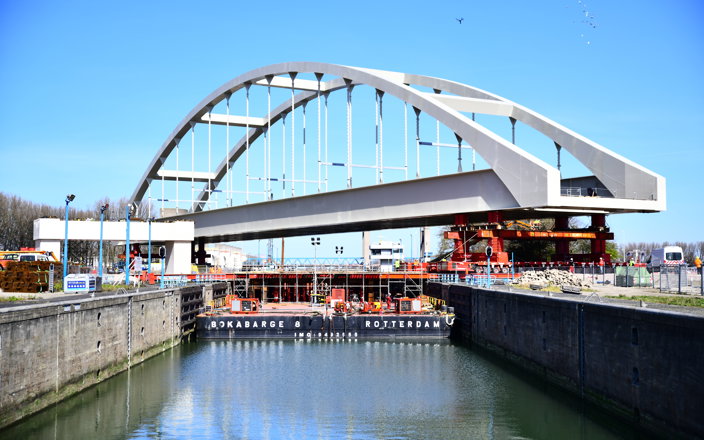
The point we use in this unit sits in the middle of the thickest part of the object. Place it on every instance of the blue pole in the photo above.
(149, 251)
(127, 246)
(163, 263)
(488, 271)
(100, 258)
(513, 268)
(66, 239)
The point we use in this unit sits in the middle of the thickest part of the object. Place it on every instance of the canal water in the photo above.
(321, 390)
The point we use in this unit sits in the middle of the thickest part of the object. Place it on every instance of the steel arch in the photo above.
(531, 181)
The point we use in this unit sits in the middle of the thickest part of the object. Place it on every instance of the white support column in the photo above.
(376, 137)
(283, 156)
(228, 187)
(293, 134)
(246, 135)
(459, 153)
(326, 142)
(474, 153)
(405, 140)
(269, 194)
(163, 195)
(210, 138)
(424, 243)
(365, 248)
(304, 105)
(417, 112)
(178, 143)
(319, 77)
(178, 257)
(381, 136)
(266, 161)
(437, 140)
(193, 164)
(437, 146)
(49, 246)
(349, 132)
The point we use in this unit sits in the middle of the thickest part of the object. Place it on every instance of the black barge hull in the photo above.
(320, 327)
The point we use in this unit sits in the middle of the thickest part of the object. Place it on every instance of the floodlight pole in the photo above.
(69, 199)
(315, 241)
(127, 246)
(100, 257)
(149, 249)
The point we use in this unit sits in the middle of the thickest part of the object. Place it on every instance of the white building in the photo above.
(229, 258)
(384, 254)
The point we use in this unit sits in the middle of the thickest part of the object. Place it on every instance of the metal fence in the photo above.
(675, 279)
(680, 279)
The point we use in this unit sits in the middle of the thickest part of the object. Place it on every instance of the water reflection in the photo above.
(318, 389)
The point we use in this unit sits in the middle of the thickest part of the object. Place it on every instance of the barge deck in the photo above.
(296, 321)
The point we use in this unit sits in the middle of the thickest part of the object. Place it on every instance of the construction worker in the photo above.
(698, 264)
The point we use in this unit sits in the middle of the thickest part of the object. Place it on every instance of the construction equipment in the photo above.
(465, 234)
(342, 307)
(26, 254)
(245, 306)
(408, 306)
(371, 307)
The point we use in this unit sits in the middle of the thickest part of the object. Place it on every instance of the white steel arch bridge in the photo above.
(284, 150)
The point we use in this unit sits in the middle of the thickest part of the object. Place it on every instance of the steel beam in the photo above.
(420, 202)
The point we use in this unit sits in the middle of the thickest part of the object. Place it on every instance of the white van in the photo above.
(666, 256)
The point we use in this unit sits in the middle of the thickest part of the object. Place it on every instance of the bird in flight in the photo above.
(461, 19)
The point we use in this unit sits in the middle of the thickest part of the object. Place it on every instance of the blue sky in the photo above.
(90, 90)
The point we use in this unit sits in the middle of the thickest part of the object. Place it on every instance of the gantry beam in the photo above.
(232, 120)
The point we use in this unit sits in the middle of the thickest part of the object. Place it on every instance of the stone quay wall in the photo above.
(50, 351)
(643, 364)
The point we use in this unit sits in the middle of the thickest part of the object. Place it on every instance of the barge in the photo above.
(282, 321)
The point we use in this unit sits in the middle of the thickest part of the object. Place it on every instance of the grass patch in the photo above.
(112, 287)
(16, 298)
(687, 301)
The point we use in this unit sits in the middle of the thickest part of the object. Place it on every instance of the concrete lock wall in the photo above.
(641, 363)
(48, 352)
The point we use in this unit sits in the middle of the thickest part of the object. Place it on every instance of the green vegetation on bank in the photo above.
(551, 288)
(16, 298)
(113, 287)
(687, 301)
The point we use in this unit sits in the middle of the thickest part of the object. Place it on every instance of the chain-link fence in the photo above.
(674, 279)
(679, 278)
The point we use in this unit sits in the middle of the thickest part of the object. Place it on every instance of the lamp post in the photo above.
(339, 250)
(127, 245)
(100, 257)
(69, 199)
(162, 257)
(489, 250)
(315, 241)
(149, 249)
